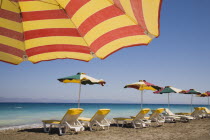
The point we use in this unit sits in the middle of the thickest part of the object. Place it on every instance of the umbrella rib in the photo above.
(126, 14)
(1, 3)
(25, 56)
(145, 31)
(49, 2)
(10, 2)
(91, 52)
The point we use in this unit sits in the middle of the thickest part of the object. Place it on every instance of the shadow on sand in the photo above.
(40, 130)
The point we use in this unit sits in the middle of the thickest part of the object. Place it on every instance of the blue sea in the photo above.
(30, 114)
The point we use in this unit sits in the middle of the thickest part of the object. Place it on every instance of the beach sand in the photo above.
(194, 130)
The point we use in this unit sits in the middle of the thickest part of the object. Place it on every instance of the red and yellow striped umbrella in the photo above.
(41, 30)
(143, 85)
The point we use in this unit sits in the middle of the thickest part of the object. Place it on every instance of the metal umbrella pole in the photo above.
(141, 98)
(168, 100)
(191, 102)
(80, 85)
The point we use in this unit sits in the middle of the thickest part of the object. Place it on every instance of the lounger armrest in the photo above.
(165, 114)
(161, 117)
(106, 121)
(78, 122)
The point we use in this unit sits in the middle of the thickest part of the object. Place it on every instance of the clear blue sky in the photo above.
(180, 57)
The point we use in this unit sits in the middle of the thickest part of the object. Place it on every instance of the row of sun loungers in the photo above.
(72, 121)
(140, 121)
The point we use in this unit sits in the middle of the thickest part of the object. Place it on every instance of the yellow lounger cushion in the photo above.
(159, 110)
(135, 117)
(75, 111)
(103, 111)
(145, 110)
(84, 119)
(146, 118)
(199, 108)
(51, 121)
(183, 113)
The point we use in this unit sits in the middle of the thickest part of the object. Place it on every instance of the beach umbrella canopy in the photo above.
(169, 89)
(42, 30)
(192, 92)
(82, 79)
(205, 94)
(159, 90)
(143, 85)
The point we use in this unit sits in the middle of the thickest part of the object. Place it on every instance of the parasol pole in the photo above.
(208, 101)
(191, 102)
(141, 98)
(168, 100)
(80, 85)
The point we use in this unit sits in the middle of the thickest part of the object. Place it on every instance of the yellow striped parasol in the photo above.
(42, 30)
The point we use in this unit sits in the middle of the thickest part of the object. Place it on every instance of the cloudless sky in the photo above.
(180, 57)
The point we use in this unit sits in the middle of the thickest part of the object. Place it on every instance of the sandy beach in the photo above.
(194, 130)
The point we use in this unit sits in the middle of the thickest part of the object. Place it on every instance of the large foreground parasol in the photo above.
(42, 30)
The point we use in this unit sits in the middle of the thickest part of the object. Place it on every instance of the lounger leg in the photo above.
(134, 125)
(45, 127)
(123, 123)
(60, 130)
(98, 127)
(157, 123)
(143, 125)
(117, 123)
(82, 128)
(91, 125)
(50, 127)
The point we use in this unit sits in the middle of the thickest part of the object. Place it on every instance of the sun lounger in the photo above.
(137, 121)
(183, 118)
(198, 113)
(156, 116)
(69, 121)
(206, 112)
(97, 120)
(168, 119)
